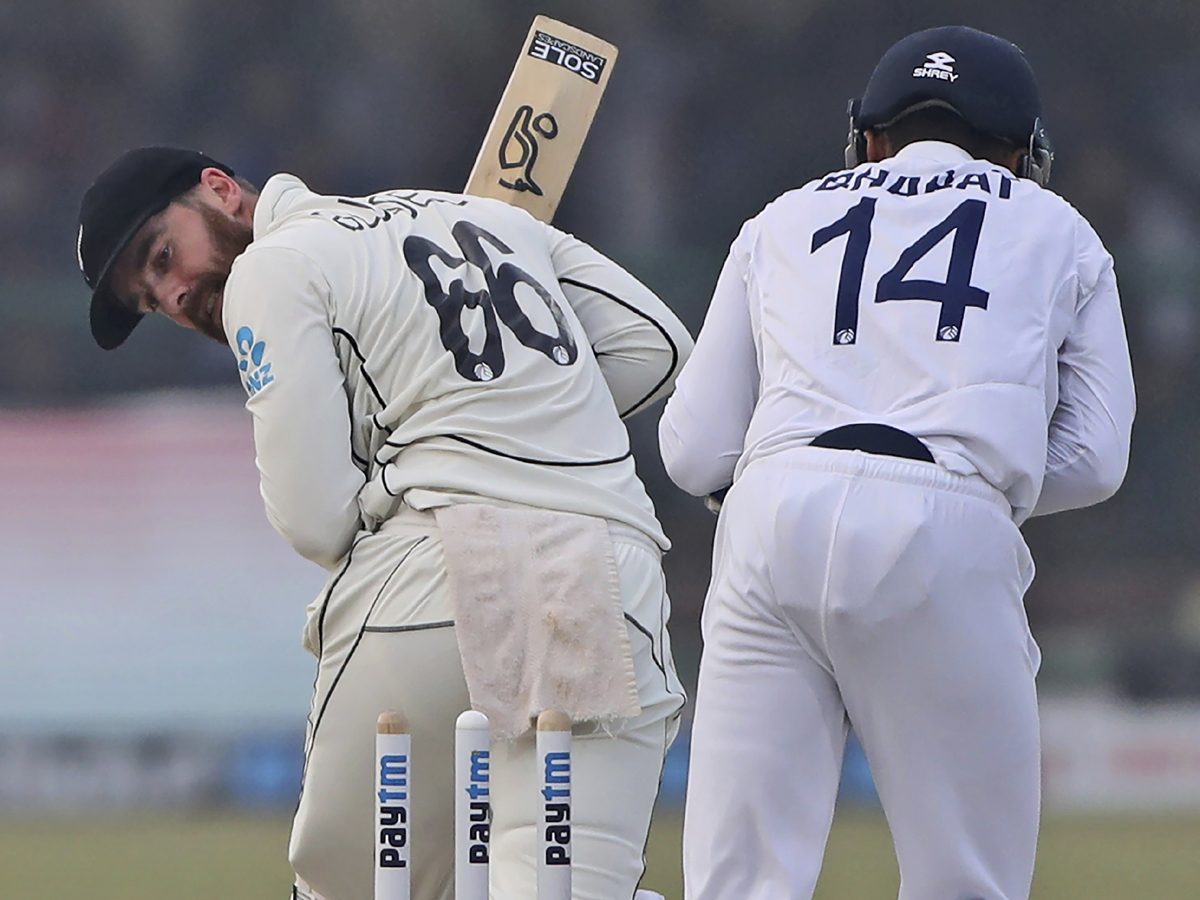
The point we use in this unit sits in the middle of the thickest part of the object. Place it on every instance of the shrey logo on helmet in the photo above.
(938, 66)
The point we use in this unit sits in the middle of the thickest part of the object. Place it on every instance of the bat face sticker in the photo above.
(542, 119)
(519, 149)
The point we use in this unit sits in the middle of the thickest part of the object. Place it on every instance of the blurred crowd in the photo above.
(714, 108)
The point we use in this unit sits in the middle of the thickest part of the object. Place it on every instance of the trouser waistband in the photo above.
(871, 437)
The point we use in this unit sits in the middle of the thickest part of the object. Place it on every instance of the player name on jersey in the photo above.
(911, 185)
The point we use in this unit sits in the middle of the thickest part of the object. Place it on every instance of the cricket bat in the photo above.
(543, 118)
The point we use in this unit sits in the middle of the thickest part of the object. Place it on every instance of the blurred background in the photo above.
(152, 688)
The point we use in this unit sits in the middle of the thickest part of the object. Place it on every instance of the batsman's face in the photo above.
(178, 262)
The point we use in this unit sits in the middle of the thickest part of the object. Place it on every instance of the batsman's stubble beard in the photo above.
(230, 238)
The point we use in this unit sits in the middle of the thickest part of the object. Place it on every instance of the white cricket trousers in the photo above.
(383, 631)
(863, 589)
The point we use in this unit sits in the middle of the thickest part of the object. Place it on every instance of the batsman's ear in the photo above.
(224, 186)
(856, 141)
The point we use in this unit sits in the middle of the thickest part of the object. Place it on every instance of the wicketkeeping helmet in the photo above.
(984, 79)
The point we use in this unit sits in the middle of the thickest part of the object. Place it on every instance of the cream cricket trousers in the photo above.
(852, 588)
(384, 634)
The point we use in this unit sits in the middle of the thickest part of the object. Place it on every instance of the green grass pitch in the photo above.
(243, 858)
(1079, 858)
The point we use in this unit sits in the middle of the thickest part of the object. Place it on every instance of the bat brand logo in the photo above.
(583, 63)
(938, 65)
(519, 149)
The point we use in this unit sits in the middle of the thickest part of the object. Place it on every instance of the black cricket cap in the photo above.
(983, 78)
(138, 186)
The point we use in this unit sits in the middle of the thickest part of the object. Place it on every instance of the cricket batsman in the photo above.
(902, 361)
(437, 383)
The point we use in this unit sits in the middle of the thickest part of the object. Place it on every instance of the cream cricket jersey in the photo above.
(931, 292)
(428, 347)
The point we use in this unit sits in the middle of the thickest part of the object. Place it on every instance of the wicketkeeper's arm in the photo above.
(1088, 441)
(703, 428)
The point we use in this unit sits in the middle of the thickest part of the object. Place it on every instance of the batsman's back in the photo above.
(467, 370)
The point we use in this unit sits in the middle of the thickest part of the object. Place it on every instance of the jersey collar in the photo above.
(279, 195)
(938, 151)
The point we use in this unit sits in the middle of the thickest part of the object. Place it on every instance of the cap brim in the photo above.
(112, 322)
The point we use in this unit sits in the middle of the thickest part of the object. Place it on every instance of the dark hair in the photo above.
(936, 123)
(246, 185)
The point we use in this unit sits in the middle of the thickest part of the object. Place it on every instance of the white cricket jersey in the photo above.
(426, 348)
(931, 292)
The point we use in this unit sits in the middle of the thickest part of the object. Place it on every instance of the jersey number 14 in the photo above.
(954, 294)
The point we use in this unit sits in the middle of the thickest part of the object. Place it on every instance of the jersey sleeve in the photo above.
(703, 429)
(1088, 442)
(277, 322)
(639, 343)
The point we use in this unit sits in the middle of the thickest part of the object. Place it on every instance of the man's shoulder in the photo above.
(793, 202)
(1058, 205)
(782, 213)
(333, 223)
(882, 180)
(286, 202)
